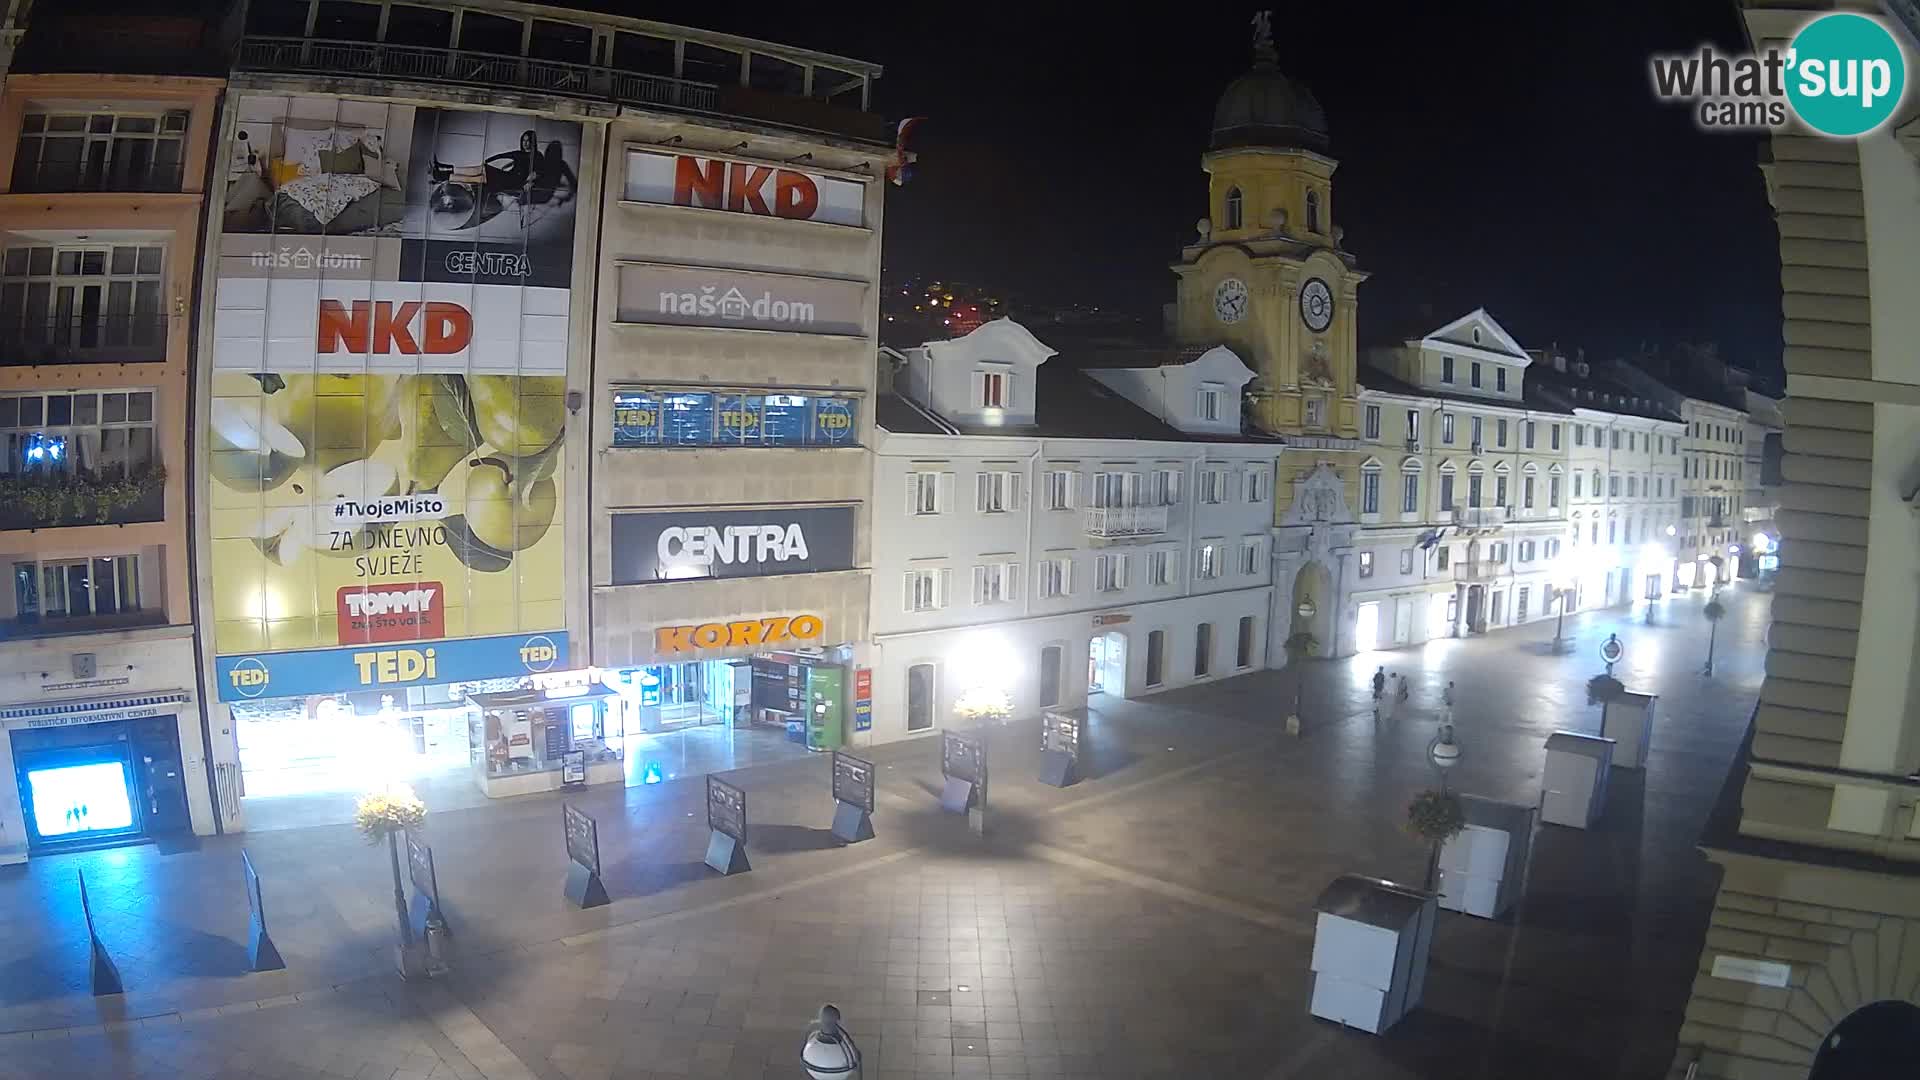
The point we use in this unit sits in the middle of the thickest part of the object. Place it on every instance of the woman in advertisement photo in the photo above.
(529, 175)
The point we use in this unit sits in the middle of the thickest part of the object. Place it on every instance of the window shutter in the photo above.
(1006, 389)
(1013, 490)
(979, 584)
(943, 493)
(1073, 490)
(913, 493)
(1066, 577)
(1010, 578)
(945, 591)
(981, 482)
(1173, 487)
(906, 596)
(979, 389)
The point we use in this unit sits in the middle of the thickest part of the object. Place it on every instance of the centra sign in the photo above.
(679, 545)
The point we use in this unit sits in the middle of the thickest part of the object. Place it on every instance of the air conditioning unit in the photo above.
(1476, 448)
(1413, 446)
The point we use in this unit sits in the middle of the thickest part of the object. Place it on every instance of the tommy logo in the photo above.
(387, 327)
(683, 639)
(401, 612)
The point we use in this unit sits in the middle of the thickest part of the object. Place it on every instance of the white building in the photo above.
(1712, 491)
(1623, 468)
(1462, 492)
(1060, 527)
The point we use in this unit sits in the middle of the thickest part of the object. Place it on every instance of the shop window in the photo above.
(277, 20)
(1243, 650)
(920, 697)
(644, 418)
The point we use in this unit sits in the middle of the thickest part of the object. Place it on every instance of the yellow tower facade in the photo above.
(1266, 275)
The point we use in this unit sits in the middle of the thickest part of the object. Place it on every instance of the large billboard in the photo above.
(388, 420)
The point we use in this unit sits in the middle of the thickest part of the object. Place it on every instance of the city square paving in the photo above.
(1153, 920)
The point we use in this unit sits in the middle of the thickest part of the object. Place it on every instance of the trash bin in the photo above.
(1484, 866)
(1370, 945)
(1573, 787)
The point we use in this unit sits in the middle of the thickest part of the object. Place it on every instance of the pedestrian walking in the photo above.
(1446, 701)
(1379, 688)
(1402, 692)
(1392, 700)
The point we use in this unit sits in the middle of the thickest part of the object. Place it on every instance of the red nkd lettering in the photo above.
(382, 326)
(795, 195)
(699, 183)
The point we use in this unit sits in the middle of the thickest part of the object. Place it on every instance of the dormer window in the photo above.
(1207, 406)
(1313, 211)
(992, 388)
(1235, 212)
(1446, 369)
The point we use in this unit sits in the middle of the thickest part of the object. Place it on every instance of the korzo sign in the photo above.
(674, 546)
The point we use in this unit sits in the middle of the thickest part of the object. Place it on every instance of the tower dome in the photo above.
(1265, 108)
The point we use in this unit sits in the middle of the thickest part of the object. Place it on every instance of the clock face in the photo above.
(1316, 305)
(1230, 300)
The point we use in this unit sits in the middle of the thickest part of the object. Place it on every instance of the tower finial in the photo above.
(1263, 52)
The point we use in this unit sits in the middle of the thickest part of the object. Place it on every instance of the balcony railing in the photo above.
(1479, 517)
(148, 505)
(117, 339)
(1126, 522)
(1472, 572)
(50, 177)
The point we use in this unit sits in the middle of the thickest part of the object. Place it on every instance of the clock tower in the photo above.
(1266, 275)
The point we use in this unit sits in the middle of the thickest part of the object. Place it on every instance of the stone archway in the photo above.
(1314, 584)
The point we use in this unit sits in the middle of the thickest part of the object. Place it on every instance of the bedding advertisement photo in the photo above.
(388, 420)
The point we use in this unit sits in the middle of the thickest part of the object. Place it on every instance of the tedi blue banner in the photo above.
(333, 671)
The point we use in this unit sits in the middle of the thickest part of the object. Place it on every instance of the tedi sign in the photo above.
(678, 545)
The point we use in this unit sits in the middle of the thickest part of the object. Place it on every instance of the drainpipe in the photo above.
(1033, 557)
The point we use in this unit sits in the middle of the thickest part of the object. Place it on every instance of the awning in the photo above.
(93, 710)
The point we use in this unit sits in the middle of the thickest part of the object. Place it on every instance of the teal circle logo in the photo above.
(1845, 74)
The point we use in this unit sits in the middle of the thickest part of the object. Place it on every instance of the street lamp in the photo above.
(1444, 753)
(830, 1052)
(1307, 610)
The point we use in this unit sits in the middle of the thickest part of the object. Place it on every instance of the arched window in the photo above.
(1233, 216)
(1313, 211)
(1410, 487)
(1370, 487)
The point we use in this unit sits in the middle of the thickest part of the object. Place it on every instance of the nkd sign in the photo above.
(743, 188)
(678, 545)
(740, 299)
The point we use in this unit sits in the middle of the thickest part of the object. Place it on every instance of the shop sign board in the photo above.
(583, 838)
(677, 295)
(863, 699)
(742, 187)
(331, 671)
(1060, 731)
(764, 542)
(1112, 619)
(726, 808)
(387, 428)
(741, 633)
(853, 781)
(573, 767)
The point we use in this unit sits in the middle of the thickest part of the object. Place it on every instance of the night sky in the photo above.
(1504, 155)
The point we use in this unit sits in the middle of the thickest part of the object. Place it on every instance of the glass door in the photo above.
(79, 796)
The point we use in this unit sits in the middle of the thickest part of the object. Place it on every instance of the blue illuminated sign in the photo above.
(691, 418)
(334, 671)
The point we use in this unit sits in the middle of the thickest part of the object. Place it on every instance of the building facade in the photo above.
(1048, 533)
(487, 526)
(1462, 489)
(103, 151)
(1712, 492)
(1809, 961)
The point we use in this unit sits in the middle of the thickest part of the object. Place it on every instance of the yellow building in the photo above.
(1267, 277)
